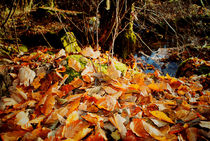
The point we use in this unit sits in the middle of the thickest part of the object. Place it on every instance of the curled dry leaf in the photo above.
(74, 64)
(22, 119)
(118, 121)
(26, 76)
(61, 53)
(108, 103)
(112, 71)
(154, 132)
(12, 136)
(77, 130)
(5, 101)
(137, 127)
(205, 124)
(89, 52)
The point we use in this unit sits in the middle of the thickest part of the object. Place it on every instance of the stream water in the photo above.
(155, 58)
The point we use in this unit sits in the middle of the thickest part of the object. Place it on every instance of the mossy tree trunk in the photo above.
(107, 22)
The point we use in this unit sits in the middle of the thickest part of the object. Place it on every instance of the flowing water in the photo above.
(155, 58)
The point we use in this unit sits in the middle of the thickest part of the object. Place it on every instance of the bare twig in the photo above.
(46, 39)
(10, 12)
(97, 21)
(143, 42)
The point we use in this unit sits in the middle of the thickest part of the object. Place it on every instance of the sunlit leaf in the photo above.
(137, 127)
(48, 105)
(154, 132)
(74, 64)
(108, 103)
(22, 119)
(118, 122)
(89, 52)
(161, 116)
(112, 71)
(77, 130)
(26, 76)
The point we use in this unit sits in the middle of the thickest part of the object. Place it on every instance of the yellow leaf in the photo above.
(153, 86)
(161, 116)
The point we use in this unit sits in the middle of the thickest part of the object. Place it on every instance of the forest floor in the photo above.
(161, 92)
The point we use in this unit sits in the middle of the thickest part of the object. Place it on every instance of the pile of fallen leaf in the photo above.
(100, 103)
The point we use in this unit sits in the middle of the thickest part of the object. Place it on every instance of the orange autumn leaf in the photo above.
(67, 88)
(137, 127)
(162, 116)
(77, 130)
(12, 136)
(118, 122)
(134, 87)
(72, 106)
(108, 103)
(154, 86)
(36, 83)
(74, 116)
(48, 105)
(93, 118)
(74, 64)
(95, 137)
(77, 82)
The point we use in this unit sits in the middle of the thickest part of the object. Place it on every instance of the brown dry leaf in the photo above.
(36, 133)
(192, 134)
(108, 103)
(74, 116)
(61, 53)
(109, 90)
(77, 82)
(154, 132)
(118, 121)
(137, 127)
(5, 101)
(77, 130)
(88, 72)
(12, 136)
(93, 118)
(26, 76)
(22, 120)
(88, 52)
(72, 106)
(95, 137)
(112, 71)
(36, 83)
(48, 105)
